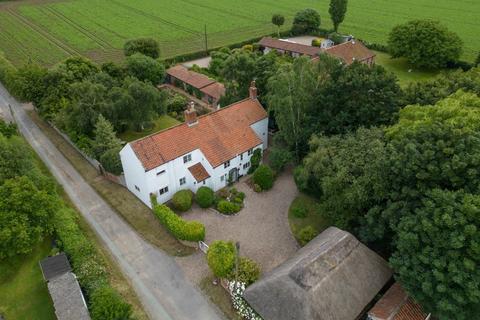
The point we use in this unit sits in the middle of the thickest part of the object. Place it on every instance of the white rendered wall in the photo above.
(261, 129)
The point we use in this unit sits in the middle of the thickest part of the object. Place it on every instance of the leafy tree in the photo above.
(77, 68)
(105, 137)
(438, 253)
(279, 157)
(218, 61)
(306, 21)
(29, 83)
(431, 147)
(25, 216)
(145, 68)
(248, 271)
(15, 158)
(264, 177)
(337, 10)
(113, 70)
(111, 162)
(7, 129)
(359, 96)
(425, 44)
(107, 304)
(477, 60)
(431, 91)
(239, 71)
(221, 258)
(346, 174)
(278, 20)
(145, 46)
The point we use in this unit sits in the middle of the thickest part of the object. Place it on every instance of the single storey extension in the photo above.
(196, 84)
(209, 150)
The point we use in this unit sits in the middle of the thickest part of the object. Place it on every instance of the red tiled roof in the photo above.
(199, 172)
(195, 79)
(350, 51)
(289, 46)
(215, 90)
(396, 305)
(220, 135)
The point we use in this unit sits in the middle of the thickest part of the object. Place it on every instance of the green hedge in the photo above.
(7, 73)
(182, 200)
(264, 177)
(87, 264)
(178, 227)
(227, 207)
(109, 305)
(205, 197)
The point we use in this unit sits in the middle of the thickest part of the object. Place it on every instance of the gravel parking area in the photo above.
(261, 227)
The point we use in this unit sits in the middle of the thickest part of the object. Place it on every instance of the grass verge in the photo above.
(161, 123)
(313, 217)
(219, 297)
(139, 216)
(23, 292)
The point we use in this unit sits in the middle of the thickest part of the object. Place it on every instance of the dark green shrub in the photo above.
(279, 158)
(182, 200)
(238, 200)
(257, 188)
(205, 197)
(299, 211)
(221, 258)
(255, 160)
(177, 104)
(111, 162)
(316, 42)
(7, 129)
(241, 195)
(178, 227)
(306, 235)
(248, 271)
(227, 207)
(109, 305)
(264, 177)
(145, 46)
(306, 21)
(233, 191)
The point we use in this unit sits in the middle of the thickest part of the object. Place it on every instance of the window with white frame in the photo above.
(226, 164)
(246, 165)
(183, 181)
(187, 158)
(250, 152)
(241, 157)
(163, 190)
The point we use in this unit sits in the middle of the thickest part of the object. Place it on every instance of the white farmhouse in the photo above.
(204, 151)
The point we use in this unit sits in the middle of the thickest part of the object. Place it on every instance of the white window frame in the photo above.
(187, 158)
(163, 190)
(183, 181)
(226, 164)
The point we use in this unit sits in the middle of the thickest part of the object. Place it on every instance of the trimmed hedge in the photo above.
(264, 177)
(227, 207)
(109, 305)
(205, 197)
(182, 200)
(178, 227)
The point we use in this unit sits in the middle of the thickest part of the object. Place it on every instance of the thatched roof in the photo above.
(334, 277)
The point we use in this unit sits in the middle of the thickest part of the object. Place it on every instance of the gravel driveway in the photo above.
(261, 227)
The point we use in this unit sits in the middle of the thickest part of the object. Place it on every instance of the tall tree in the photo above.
(438, 252)
(278, 20)
(306, 21)
(105, 137)
(25, 216)
(337, 10)
(425, 44)
(145, 68)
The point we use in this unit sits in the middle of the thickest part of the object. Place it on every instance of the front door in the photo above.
(233, 175)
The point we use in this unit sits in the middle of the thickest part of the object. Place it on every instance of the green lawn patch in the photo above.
(405, 72)
(23, 292)
(308, 208)
(161, 123)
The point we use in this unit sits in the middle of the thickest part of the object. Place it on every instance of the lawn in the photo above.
(219, 296)
(161, 123)
(313, 217)
(402, 69)
(23, 292)
(48, 31)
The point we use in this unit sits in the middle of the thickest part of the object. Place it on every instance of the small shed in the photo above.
(64, 289)
(334, 277)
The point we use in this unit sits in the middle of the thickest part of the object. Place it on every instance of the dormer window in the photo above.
(187, 158)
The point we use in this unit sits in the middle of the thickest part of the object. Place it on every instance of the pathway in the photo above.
(159, 282)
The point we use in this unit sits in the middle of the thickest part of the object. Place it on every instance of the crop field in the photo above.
(49, 31)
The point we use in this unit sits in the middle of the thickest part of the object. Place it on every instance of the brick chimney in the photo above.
(190, 114)
(253, 91)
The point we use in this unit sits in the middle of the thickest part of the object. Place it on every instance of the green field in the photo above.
(23, 292)
(48, 31)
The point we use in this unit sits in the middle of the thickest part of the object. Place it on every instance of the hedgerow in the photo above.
(178, 227)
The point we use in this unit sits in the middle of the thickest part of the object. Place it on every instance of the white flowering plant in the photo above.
(243, 308)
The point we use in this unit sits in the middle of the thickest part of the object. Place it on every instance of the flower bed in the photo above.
(229, 201)
(243, 308)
